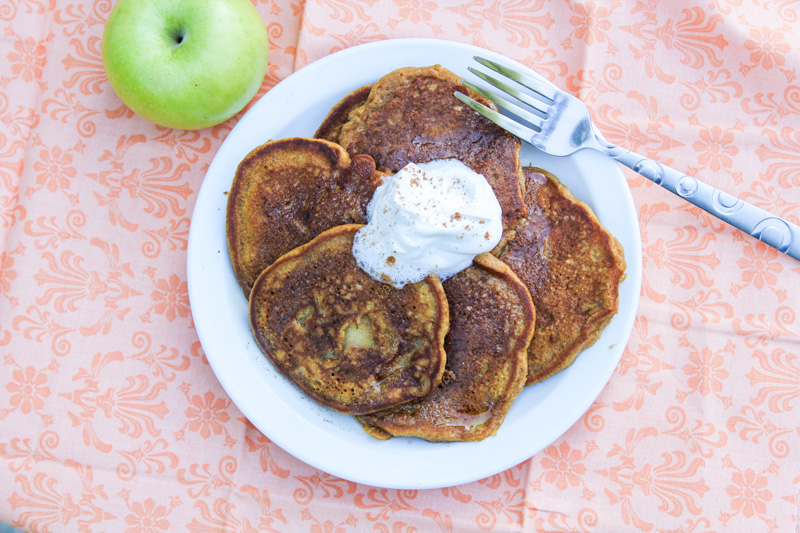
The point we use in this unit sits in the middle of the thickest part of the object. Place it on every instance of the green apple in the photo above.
(185, 64)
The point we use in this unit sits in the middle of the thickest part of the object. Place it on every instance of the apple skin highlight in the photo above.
(185, 64)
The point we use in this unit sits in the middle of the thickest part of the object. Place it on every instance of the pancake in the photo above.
(412, 116)
(572, 267)
(331, 127)
(353, 344)
(491, 324)
(287, 192)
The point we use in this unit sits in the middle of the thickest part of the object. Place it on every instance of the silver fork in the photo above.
(559, 124)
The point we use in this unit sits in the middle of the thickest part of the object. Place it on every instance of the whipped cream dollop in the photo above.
(428, 218)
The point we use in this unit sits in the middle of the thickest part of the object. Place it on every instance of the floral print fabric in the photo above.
(112, 420)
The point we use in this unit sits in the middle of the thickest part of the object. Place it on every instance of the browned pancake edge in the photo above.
(572, 267)
(331, 127)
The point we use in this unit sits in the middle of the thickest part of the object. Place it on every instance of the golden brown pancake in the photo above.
(572, 267)
(287, 192)
(331, 127)
(491, 324)
(349, 342)
(412, 116)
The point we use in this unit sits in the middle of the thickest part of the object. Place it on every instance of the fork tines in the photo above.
(530, 79)
(538, 105)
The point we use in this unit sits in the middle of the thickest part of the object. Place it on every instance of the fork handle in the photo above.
(768, 228)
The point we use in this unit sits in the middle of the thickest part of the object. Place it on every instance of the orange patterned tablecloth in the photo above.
(112, 420)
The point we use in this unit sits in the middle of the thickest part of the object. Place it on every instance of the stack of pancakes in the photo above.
(440, 361)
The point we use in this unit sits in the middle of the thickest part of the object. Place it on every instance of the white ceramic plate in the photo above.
(336, 443)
